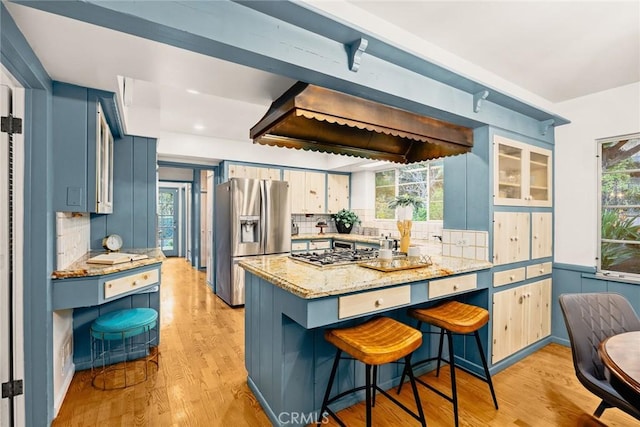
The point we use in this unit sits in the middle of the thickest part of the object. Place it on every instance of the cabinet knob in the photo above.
(511, 239)
(535, 237)
(134, 283)
(455, 287)
(520, 300)
(515, 238)
(145, 277)
(109, 286)
(541, 270)
(379, 302)
(512, 277)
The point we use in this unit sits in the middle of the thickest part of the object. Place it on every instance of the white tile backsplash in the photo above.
(73, 237)
(469, 244)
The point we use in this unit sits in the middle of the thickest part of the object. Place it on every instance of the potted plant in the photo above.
(344, 220)
(405, 204)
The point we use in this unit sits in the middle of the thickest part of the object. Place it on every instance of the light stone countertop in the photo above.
(308, 281)
(81, 268)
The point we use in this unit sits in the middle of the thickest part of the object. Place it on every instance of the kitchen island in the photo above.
(288, 304)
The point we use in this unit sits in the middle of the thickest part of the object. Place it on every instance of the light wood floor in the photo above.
(202, 381)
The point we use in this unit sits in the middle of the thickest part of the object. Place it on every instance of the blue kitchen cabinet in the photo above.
(85, 121)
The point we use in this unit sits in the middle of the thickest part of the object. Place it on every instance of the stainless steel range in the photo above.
(333, 257)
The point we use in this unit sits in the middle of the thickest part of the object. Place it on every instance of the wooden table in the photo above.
(621, 356)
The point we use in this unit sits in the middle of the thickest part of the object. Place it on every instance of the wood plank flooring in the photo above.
(202, 380)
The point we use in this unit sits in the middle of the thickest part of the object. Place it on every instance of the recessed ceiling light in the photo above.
(193, 91)
(198, 127)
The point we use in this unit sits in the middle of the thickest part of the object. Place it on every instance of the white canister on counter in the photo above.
(414, 252)
(385, 254)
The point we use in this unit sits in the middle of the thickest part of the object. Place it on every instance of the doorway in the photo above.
(168, 217)
(11, 246)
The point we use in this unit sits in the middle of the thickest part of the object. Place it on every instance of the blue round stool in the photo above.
(119, 336)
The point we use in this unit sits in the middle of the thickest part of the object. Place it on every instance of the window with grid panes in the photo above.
(424, 180)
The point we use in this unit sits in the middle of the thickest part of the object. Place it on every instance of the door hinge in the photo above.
(12, 389)
(11, 125)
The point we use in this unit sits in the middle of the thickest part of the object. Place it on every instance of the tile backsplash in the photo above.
(73, 237)
(369, 226)
(465, 244)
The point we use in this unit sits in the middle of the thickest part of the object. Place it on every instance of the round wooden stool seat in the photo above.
(454, 316)
(380, 340)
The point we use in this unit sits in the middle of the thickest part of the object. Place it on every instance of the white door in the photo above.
(11, 212)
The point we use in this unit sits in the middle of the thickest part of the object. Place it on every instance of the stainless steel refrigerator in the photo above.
(252, 217)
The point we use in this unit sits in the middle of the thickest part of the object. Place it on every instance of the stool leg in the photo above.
(454, 391)
(375, 384)
(440, 352)
(407, 363)
(486, 369)
(368, 393)
(404, 372)
(334, 369)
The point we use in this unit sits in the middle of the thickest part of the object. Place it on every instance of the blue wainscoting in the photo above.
(568, 278)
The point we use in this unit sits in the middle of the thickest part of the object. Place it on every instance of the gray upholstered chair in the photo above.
(590, 319)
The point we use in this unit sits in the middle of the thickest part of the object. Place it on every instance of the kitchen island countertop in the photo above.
(81, 268)
(308, 281)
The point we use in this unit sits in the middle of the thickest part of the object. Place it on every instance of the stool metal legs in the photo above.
(371, 387)
(454, 392)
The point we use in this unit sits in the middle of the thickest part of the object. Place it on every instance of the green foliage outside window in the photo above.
(422, 180)
(620, 201)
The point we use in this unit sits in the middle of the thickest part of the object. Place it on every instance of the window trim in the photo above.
(611, 274)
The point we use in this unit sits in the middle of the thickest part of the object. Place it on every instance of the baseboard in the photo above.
(63, 391)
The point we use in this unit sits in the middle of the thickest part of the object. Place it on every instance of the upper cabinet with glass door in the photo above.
(522, 174)
(104, 164)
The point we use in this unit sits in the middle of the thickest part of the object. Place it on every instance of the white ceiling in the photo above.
(553, 50)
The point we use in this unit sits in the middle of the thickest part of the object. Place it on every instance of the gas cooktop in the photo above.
(332, 257)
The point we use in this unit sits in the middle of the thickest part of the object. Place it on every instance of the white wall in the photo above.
(604, 114)
(180, 146)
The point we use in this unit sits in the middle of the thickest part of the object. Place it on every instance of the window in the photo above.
(619, 182)
(424, 180)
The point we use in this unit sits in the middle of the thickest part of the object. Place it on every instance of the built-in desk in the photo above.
(288, 304)
(93, 289)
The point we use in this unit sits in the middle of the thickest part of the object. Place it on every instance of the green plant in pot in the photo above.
(345, 219)
(405, 205)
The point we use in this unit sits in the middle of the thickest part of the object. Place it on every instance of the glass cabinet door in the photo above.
(104, 165)
(539, 177)
(522, 174)
(509, 165)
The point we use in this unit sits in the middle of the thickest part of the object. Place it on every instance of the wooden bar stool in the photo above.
(453, 317)
(376, 342)
(120, 335)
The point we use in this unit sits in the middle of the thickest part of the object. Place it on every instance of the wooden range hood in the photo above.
(313, 118)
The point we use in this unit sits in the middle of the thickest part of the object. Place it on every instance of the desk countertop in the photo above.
(81, 268)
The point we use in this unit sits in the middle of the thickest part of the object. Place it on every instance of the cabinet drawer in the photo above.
(129, 283)
(452, 285)
(507, 277)
(319, 244)
(536, 270)
(298, 246)
(368, 302)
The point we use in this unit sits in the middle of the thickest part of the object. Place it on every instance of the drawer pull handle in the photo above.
(145, 277)
(134, 283)
(541, 270)
(379, 302)
(512, 277)
(455, 287)
(109, 285)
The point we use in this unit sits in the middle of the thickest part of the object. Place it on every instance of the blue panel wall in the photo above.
(39, 232)
(134, 195)
(569, 279)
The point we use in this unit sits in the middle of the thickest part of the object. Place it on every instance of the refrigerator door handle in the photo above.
(263, 215)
